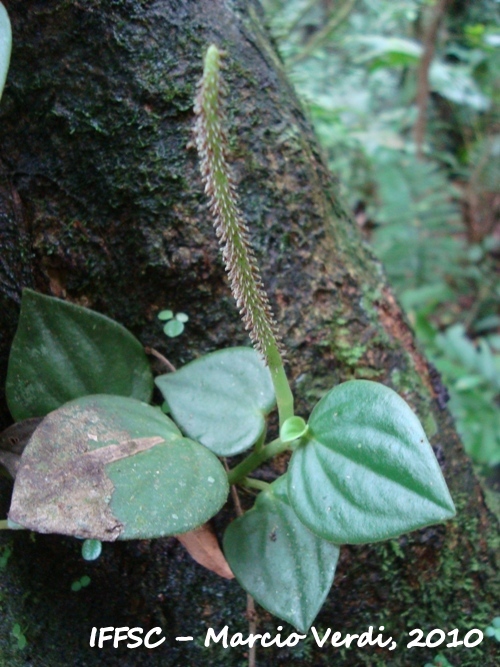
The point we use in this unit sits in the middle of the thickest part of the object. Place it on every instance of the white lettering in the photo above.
(102, 635)
(120, 636)
(337, 639)
(154, 631)
(132, 634)
(237, 640)
(252, 639)
(321, 642)
(348, 639)
(366, 637)
(222, 635)
(294, 639)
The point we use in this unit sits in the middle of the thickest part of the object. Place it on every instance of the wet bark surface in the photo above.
(101, 203)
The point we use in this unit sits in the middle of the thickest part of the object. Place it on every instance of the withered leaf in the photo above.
(202, 545)
(107, 467)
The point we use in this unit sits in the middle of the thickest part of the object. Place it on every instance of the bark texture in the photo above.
(101, 203)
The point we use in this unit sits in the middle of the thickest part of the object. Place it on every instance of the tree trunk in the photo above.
(101, 203)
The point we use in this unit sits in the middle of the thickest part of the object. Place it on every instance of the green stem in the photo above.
(252, 483)
(254, 460)
(284, 396)
(260, 442)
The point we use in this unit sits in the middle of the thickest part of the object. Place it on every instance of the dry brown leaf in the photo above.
(61, 483)
(202, 545)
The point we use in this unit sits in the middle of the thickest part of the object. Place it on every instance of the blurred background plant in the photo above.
(493, 630)
(404, 95)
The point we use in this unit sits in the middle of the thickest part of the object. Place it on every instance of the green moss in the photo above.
(368, 373)
(345, 350)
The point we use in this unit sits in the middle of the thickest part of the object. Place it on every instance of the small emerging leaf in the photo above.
(366, 471)
(293, 428)
(62, 351)
(285, 567)
(221, 399)
(165, 315)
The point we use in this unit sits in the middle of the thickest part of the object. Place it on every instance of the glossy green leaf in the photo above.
(109, 467)
(5, 46)
(285, 567)
(62, 351)
(221, 399)
(367, 471)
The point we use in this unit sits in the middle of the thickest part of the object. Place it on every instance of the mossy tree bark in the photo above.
(101, 203)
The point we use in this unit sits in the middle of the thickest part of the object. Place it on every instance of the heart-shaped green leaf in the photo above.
(276, 559)
(366, 472)
(5, 46)
(62, 351)
(221, 399)
(109, 467)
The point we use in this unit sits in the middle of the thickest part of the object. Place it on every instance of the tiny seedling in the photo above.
(83, 582)
(493, 630)
(19, 635)
(174, 323)
(102, 464)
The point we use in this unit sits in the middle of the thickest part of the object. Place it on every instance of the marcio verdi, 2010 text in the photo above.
(135, 637)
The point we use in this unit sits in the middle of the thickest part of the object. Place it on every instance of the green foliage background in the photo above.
(434, 223)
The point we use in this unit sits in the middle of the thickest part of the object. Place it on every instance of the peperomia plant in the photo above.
(103, 464)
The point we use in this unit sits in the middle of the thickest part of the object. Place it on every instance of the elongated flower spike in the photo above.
(231, 229)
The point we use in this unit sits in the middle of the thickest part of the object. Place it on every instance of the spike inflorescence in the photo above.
(231, 229)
